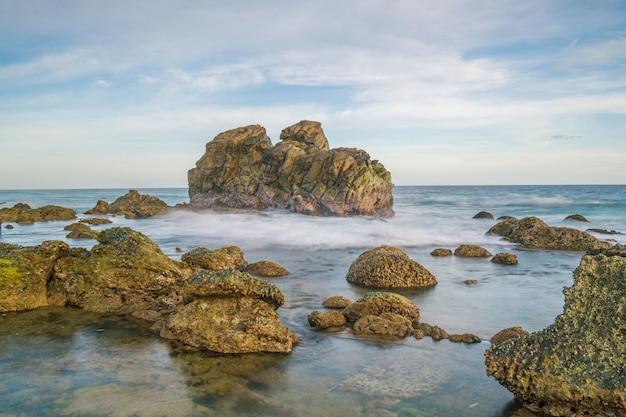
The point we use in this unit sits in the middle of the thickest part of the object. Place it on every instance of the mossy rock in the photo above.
(229, 257)
(337, 301)
(389, 267)
(577, 217)
(266, 269)
(505, 259)
(441, 252)
(472, 251)
(385, 324)
(326, 319)
(376, 303)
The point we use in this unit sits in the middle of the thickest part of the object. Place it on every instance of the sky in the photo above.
(125, 94)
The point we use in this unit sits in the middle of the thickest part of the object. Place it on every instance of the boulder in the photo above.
(464, 338)
(508, 333)
(124, 273)
(229, 257)
(387, 324)
(326, 319)
(242, 169)
(80, 231)
(229, 311)
(441, 252)
(483, 215)
(577, 217)
(337, 301)
(24, 274)
(376, 303)
(101, 207)
(134, 205)
(472, 251)
(533, 232)
(389, 267)
(576, 365)
(436, 332)
(23, 214)
(266, 269)
(504, 259)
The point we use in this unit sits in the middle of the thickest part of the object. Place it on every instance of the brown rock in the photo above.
(101, 207)
(505, 259)
(470, 282)
(533, 232)
(376, 303)
(508, 333)
(464, 338)
(134, 205)
(387, 324)
(472, 251)
(483, 215)
(326, 319)
(337, 301)
(577, 217)
(266, 269)
(23, 214)
(213, 260)
(389, 267)
(241, 169)
(95, 221)
(441, 252)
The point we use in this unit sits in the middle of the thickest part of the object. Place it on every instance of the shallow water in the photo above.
(63, 362)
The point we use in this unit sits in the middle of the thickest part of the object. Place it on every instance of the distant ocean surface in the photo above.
(62, 362)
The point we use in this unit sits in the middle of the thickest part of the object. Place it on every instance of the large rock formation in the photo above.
(389, 267)
(242, 169)
(128, 274)
(577, 365)
(534, 233)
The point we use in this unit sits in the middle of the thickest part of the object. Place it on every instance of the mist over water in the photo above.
(329, 373)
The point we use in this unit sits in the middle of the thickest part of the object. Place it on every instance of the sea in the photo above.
(66, 362)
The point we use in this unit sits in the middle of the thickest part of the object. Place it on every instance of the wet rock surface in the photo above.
(472, 251)
(533, 232)
(389, 267)
(23, 214)
(241, 169)
(576, 366)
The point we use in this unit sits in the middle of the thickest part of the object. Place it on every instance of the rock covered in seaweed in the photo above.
(534, 233)
(389, 267)
(23, 214)
(25, 272)
(230, 311)
(242, 169)
(576, 365)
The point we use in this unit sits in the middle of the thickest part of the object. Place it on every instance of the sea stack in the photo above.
(241, 169)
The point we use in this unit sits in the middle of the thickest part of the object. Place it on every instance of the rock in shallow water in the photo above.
(577, 365)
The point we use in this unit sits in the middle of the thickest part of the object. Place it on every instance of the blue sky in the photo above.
(127, 93)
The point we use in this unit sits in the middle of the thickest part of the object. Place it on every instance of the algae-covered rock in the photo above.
(124, 273)
(504, 258)
(534, 233)
(386, 324)
(134, 205)
(229, 257)
(24, 274)
(576, 366)
(337, 301)
(389, 267)
(229, 311)
(472, 251)
(242, 169)
(577, 217)
(231, 283)
(266, 269)
(508, 333)
(326, 319)
(483, 215)
(23, 214)
(101, 207)
(441, 252)
(376, 303)
(80, 231)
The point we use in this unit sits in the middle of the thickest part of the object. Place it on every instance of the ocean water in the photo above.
(64, 362)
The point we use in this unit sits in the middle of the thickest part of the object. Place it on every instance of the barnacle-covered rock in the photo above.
(377, 303)
(577, 365)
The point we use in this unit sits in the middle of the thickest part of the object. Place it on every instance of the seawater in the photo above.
(65, 362)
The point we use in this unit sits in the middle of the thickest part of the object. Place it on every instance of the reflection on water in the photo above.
(65, 362)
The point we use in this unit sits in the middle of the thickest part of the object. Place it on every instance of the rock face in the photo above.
(23, 214)
(242, 169)
(389, 267)
(230, 312)
(534, 233)
(575, 366)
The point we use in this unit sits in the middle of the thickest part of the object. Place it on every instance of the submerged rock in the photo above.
(389, 267)
(534, 233)
(483, 215)
(23, 214)
(504, 258)
(575, 366)
(242, 169)
(577, 217)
